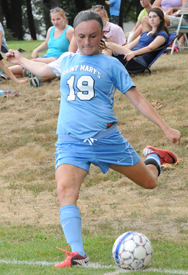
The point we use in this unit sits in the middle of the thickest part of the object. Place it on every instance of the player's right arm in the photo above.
(37, 68)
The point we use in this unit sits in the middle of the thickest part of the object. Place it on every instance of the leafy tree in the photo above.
(13, 16)
(27, 16)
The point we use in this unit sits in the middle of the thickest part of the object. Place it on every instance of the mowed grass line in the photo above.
(36, 244)
(110, 204)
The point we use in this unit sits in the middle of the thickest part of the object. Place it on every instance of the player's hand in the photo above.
(13, 56)
(173, 135)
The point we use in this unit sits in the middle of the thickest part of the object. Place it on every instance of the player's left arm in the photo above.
(144, 107)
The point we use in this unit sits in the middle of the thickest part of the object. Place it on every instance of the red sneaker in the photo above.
(164, 155)
(73, 258)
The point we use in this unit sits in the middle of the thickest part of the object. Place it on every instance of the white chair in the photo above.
(180, 30)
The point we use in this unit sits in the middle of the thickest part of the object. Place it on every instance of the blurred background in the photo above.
(29, 19)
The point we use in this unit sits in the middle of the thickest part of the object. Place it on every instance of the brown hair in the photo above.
(162, 26)
(98, 8)
(61, 11)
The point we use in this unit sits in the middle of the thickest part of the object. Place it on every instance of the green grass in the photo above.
(24, 45)
(34, 244)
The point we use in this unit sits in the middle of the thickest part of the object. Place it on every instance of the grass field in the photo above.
(24, 45)
(110, 204)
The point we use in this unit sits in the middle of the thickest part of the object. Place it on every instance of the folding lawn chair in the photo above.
(140, 67)
(179, 30)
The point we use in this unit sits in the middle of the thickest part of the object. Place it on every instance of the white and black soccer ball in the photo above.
(34, 80)
(132, 250)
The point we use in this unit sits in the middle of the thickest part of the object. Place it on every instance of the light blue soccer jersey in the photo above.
(87, 86)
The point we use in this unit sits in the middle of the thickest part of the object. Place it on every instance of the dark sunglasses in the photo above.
(55, 9)
(99, 7)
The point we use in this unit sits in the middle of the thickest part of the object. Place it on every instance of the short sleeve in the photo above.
(56, 65)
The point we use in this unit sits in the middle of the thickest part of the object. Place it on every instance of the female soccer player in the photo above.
(87, 131)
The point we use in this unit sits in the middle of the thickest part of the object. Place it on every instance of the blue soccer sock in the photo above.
(155, 160)
(71, 224)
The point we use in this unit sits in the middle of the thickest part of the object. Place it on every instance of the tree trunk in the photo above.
(31, 20)
(6, 13)
(54, 3)
(49, 4)
(16, 19)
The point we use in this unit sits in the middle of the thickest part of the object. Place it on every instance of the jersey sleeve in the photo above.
(56, 65)
(121, 77)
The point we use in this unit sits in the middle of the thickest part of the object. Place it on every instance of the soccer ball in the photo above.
(132, 250)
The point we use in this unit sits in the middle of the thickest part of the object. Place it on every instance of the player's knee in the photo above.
(62, 189)
(150, 183)
(65, 191)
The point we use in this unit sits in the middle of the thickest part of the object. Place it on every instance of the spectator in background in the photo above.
(130, 36)
(57, 42)
(114, 10)
(169, 7)
(112, 31)
(3, 43)
(6, 70)
(144, 48)
(170, 20)
(3, 47)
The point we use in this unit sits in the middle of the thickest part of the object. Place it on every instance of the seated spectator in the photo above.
(169, 7)
(3, 47)
(3, 43)
(147, 43)
(170, 20)
(146, 4)
(57, 42)
(6, 70)
(166, 6)
(112, 31)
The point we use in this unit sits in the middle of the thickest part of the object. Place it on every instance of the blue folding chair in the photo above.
(179, 30)
(138, 66)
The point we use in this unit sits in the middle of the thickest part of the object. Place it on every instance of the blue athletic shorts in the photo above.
(100, 151)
